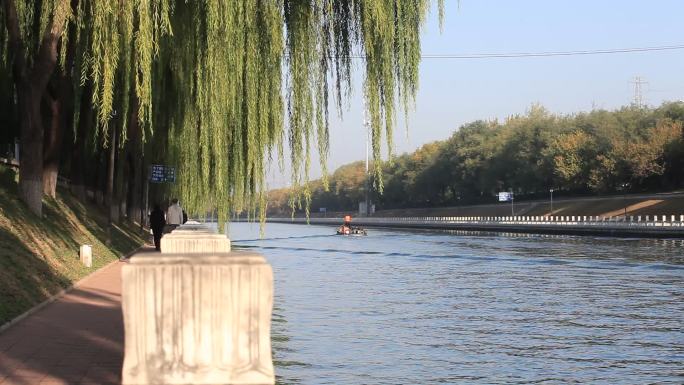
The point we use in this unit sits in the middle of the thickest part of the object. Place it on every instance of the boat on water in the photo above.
(354, 231)
(349, 230)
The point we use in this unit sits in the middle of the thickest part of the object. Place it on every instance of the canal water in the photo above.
(425, 307)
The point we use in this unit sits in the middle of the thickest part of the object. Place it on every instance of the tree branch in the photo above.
(46, 59)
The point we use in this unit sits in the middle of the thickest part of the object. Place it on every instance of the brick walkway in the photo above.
(77, 339)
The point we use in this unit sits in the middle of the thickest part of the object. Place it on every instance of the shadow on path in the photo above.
(78, 339)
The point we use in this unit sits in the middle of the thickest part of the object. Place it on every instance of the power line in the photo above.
(508, 55)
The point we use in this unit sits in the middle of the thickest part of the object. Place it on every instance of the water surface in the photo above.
(419, 307)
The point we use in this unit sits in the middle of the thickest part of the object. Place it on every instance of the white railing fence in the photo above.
(568, 220)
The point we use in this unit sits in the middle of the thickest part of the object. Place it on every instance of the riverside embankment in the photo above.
(662, 226)
(663, 203)
(39, 256)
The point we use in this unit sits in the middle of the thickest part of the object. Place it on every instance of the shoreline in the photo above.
(610, 228)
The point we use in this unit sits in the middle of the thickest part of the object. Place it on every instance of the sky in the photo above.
(453, 92)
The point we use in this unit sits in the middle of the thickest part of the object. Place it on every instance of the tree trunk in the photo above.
(134, 163)
(62, 107)
(78, 155)
(109, 198)
(100, 176)
(30, 84)
(31, 163)
(52, 144)
(115, 206)
(134, 184)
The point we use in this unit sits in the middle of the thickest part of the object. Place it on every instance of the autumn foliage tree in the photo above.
(596, 152)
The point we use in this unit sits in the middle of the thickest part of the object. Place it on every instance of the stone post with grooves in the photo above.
(195, 314)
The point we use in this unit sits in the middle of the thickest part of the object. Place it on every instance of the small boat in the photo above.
(348, 229)
(351, 231)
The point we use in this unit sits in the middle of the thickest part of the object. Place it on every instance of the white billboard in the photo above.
(505, 196)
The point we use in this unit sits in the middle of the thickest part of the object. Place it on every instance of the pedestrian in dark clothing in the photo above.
(157, 223)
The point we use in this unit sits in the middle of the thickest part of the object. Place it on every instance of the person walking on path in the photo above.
(157, 223)
(174, 215)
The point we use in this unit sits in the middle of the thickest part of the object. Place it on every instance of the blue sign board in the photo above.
(505, 196)
(161, 174)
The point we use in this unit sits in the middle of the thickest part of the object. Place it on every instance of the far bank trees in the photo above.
(598, 152)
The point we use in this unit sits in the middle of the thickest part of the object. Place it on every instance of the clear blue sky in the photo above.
(456, 91)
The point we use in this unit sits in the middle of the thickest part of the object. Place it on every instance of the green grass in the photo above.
(39, 256)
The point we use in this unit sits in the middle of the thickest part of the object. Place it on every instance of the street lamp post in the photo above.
(512, 199)
(551, 191)
(624, 198)
(366, 125)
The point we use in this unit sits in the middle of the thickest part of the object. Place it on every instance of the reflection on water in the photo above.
(400, 307)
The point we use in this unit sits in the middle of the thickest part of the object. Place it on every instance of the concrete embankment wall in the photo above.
(643, 227)
(633, 204)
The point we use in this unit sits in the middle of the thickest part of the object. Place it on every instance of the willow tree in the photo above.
(221, 84)
(31, 45)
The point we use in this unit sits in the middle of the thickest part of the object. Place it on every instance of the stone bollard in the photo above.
(194, 243)
(86, 255)
(200, 318)
(195, 238)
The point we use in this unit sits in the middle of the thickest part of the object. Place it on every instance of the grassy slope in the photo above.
(40, 257)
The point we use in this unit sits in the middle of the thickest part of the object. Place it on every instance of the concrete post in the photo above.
(199, 318)
(86, 255)
(194, 238)
(200, 243)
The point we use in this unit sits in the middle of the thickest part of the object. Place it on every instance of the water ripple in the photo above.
(427, 307)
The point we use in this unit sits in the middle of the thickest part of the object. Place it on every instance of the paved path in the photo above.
(77, 339)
